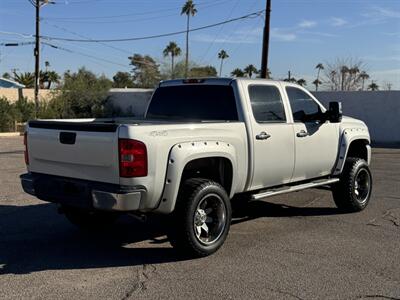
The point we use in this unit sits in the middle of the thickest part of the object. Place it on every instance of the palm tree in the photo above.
(173, 50)
(250, 70)
(353, 77)
(27, 79)
(222, 55)
(343, 71)
(320, 67)
(52, 77)
(373, 86)
(364, 76)
(237, 73)
(334, 83)
(189, 9)
(47, 65)
(302, 82)
(317, 82)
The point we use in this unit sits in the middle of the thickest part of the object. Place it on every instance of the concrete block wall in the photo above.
(380, 110)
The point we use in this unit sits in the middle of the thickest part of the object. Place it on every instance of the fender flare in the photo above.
(183, 153)
(350, 135)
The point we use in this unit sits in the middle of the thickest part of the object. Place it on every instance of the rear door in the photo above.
(272, 135)
(316, 141)
(76, 150)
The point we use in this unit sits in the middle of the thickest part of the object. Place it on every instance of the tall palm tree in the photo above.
(250, 70)
(353, 77)
(188, 9)
(364, 76)
(237, 73)
(173, 50)
(373, 86)
(320, 67)
(27, 79)
(317, 82)
(302, 82)
(222, 55)
(47, 65)
(343, 71)
(334, 83)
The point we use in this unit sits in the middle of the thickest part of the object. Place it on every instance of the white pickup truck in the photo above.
(201, 142)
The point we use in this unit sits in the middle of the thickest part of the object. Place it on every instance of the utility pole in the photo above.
(289, 76)
(36, 53)
(264, 58)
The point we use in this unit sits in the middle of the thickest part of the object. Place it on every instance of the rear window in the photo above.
(193, 102)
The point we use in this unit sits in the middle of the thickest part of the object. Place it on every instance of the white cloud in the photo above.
(307, 24)
(241, 36)
(282, 36)
(337, 22)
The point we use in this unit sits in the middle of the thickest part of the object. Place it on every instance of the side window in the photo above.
(266, 103)
(304, 108)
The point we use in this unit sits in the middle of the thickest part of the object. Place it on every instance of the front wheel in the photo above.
(202, 217)
(353, 192)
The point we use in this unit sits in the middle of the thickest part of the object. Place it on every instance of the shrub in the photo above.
(7, 116)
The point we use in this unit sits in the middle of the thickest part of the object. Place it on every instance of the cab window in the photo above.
(304, 108)
(266, 103)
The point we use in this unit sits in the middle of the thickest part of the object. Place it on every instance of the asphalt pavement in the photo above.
(296, 246)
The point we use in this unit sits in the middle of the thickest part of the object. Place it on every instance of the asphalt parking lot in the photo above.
(296, 246)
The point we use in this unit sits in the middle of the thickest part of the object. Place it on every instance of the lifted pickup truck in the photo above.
(201, 142)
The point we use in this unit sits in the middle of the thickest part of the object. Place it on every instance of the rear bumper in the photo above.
(83, 193)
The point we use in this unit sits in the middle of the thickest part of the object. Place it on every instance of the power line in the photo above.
(251, 15)
(204, 4)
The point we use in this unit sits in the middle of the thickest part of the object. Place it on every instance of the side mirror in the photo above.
(335, 112)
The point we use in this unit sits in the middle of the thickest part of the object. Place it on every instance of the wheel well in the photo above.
(218, 169)
(358, 149)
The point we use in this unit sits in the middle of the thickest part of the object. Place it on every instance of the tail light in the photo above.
(26, 148)
(132, 158)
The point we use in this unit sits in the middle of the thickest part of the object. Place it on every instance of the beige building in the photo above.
(13, 94)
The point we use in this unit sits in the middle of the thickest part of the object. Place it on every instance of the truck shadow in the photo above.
(36, 238)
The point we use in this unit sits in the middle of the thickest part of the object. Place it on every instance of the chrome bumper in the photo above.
(119, 202)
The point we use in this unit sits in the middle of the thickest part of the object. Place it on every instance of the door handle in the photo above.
(302, 133)
(263, 136)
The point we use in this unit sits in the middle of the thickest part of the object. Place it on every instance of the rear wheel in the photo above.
(353, 191)
(89, 220)
(201, 219)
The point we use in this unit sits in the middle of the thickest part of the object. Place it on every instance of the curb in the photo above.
(10, 134)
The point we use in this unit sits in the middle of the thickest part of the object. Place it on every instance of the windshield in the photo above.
(193, 102)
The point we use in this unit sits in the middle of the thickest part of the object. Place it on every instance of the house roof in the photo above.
(7, 83)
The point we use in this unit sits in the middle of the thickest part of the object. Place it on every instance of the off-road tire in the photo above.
(344, 192)
(182, 231)
(89, 220)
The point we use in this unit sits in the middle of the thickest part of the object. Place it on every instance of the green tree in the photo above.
(24, 110)
(250, 70)
(206, 71)
(6, 75)
(301, 82)
(123, 80)
(343, 71)
(316, 82)
(146, 73)
(188, 9)
(373, 87)
(222, 55)
(173, 50)
(7, 115)
(364, 76)
(82, 95)
(52, 77)
(27, 79)
(237, 73)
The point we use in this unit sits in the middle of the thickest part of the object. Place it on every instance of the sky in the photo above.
(303, 34)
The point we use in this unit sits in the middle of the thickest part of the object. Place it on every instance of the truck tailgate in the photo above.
(76, 150)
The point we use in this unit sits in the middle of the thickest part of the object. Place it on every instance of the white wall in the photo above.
(380, 110)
